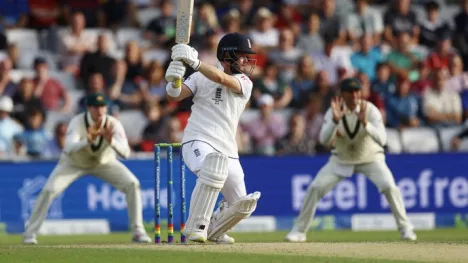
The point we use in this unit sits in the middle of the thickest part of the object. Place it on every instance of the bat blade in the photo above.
(184, 21)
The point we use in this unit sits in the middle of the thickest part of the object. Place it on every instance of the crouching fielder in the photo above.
(209, 145)
(358, 132)
(92, 141)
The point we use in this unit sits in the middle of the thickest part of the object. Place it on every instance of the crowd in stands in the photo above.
(411, 60)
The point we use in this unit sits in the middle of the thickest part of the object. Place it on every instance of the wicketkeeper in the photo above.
(93, 139)
(355, 128)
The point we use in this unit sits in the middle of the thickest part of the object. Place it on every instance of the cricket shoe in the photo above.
(223, 239)
(198, 236)
(30, 240)
(141, 238)
(295, 236)
(408, 234)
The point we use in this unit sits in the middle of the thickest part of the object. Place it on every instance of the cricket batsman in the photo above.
(209, 146)
(92, 141)
(356, 128)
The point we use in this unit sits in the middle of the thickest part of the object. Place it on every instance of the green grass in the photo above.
(116, 248)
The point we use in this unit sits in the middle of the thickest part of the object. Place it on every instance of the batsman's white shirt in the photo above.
(216, 111)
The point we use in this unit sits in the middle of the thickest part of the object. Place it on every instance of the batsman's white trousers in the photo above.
(194, 154)
(114, 173)
(377, 171)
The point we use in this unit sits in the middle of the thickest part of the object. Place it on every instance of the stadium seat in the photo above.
(75, 96)
(158, 55)
(394, 141)
(446, 135)
(124, 35)
(24, 39)
(54, 117)
(26, 59)
(17, 74)
(420, 140)
(134, 122)
(66, 79)
(144, 16)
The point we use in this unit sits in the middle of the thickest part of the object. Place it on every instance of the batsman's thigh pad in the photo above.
(228, 217)
(214, 170)
(194, 154)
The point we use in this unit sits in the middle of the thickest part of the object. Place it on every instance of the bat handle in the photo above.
(178, 83)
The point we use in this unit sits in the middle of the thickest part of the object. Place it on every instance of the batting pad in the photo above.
(228, 217)
(211, 180)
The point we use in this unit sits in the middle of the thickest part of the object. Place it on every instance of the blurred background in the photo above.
(411, 57)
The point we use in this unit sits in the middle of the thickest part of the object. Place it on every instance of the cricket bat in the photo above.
(183, 26)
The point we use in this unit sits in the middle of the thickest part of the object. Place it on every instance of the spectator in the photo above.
(231, 22)
(424, 82)
(402, 61)
(458, 138)
(14, 14)
(441, 56)
(13, 54)
(162, 29)
(75, 43)
(382, 84)
(398, 19)
(441, 107)
(205, 19)
(55, 145)
(34, 135)
(367, 58)
(458, 80)
(246, 8)
(8, 127)
(264, 34)
(99, 61)
(53, 95)
(365, 20)
(96, 84)
(289, 18)
(7, 87)
(314, 119)
(153, 86)
(130, 96)
(43, 14)
(331, 24)
(24, 100)
(402, 107)
(303, 83)
(432, 25)
(323, 89)
(296, 141)
(461, 32)
(267, 129)
(311, 41)
(286, 55)
(153, 131)
(90, 9)
(119, 13)
(272, 84)
(207, 54)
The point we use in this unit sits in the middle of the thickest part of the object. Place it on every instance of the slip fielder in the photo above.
(358, 132)
(209, 145)
(93, 138)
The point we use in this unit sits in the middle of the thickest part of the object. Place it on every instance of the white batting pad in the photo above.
(227, 217)
(211, 180)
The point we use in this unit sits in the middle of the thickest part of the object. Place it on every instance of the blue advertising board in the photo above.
(429, 183)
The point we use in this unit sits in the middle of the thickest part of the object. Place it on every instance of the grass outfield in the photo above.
(442, 245)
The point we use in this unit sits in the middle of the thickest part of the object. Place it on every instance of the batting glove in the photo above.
(186, 53)
(176, 70)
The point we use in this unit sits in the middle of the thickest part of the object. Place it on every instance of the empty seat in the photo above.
(446, 135)
(394, 141)
(67, 79)
(124, 35)
(17, 74)
(144, 16)
(54, 117)
(134, 122)
(420, 140)
(158, 55)
(24, 39)
(26, 59)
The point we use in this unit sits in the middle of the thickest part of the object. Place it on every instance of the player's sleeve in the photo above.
(119, 141)
(246, 85)
(328, 129)
(375, 126)
(192, 81)
(73, 142)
